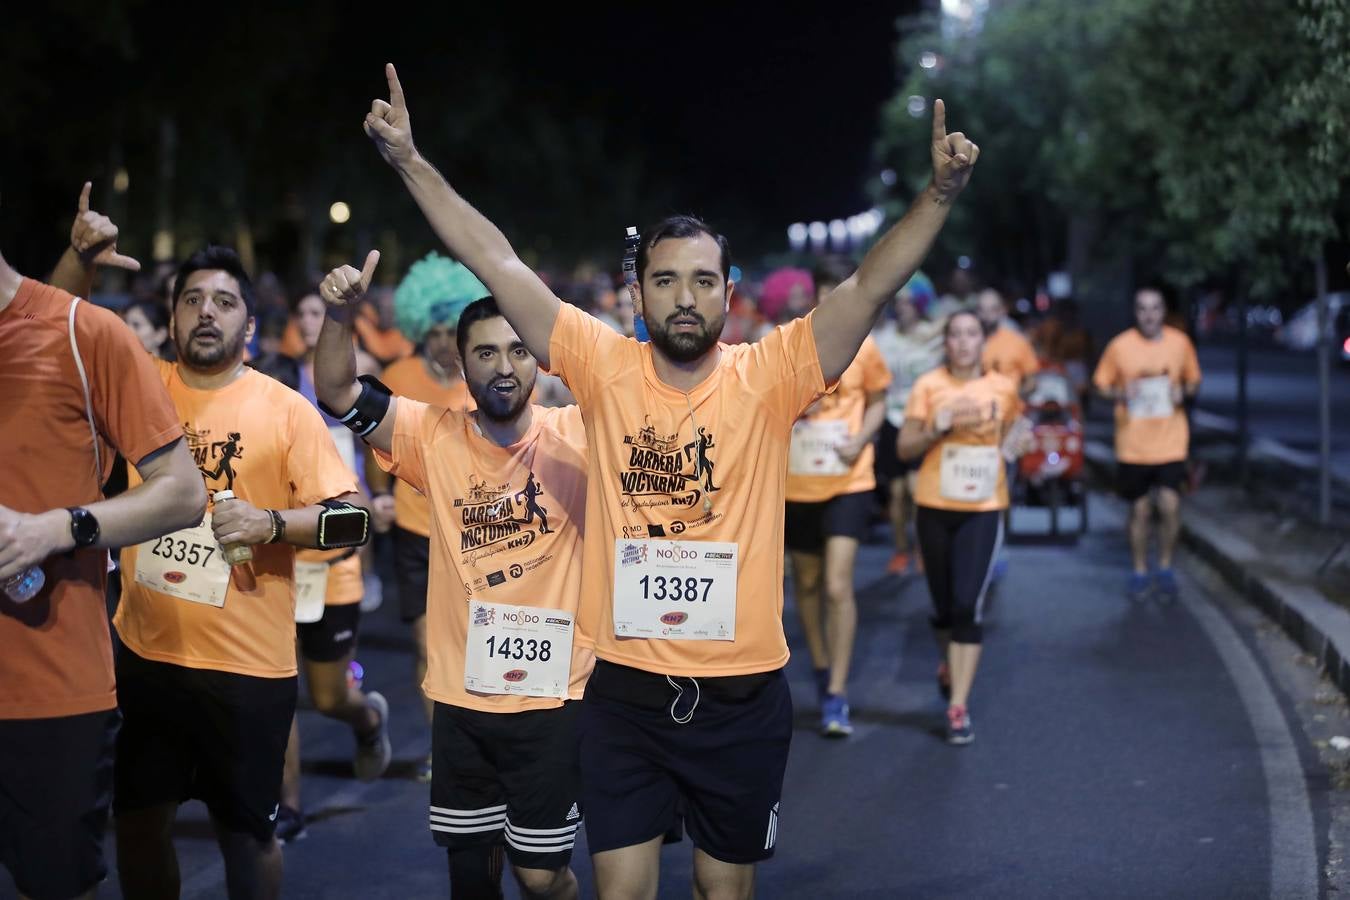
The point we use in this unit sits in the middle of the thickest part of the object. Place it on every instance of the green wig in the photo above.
(434, 292)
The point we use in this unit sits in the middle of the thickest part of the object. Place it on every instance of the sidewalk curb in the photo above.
(1316, 624)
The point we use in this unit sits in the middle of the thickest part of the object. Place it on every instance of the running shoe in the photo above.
(899, 564)
(1165, 586)
(424, 770)
(958, 726)
(1139, 587)
(834, 717)
(374, 750)
(822, 679)
(290, 825)
(944, 681)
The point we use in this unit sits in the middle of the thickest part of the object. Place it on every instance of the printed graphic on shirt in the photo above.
(215, 458)
(663, 470)
(496, 518)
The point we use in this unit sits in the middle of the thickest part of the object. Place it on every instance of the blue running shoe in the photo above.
(959, 731)
(1165, 586)
(1139, 588)
(834, 717)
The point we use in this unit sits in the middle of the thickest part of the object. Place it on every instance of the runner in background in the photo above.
(960, 423)
(911, 344)
(207, 672)
(829, 509)
(506, 485)
(427, 305)
(1006, 351)
(1149, 372)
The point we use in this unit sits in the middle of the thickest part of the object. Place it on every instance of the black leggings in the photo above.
(959, 549)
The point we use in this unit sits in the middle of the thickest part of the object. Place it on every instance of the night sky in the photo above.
(749, 115)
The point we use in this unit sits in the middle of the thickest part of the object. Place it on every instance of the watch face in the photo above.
(83, 527)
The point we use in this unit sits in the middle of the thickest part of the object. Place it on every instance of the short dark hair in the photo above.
(154, 312)
(280, 367)
(680, 227)
(214, 257)
(947, 325)
(477, 311)
(833, 269)
(1156, 287)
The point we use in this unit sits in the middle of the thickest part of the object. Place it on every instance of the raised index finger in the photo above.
(84, 196)
(395, 88)
(368, 270)
(939, 121)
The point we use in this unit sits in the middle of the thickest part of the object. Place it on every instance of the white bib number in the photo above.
(187, 564)
(969, 473)
(521, 650)
(1152, 398)
(311, 590)
(812, 451)
(675, 590)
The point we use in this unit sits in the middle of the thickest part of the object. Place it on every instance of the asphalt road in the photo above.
(1121, 751)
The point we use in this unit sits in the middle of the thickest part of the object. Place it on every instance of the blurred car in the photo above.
(1300, 329)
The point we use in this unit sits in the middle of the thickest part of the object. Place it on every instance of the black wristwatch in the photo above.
(83, 526)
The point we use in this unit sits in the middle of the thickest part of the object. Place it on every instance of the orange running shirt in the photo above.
(409, 378)
(656, 454)
(1010, 354)
(866, 375)
(265, 442)
(1131, 357)
(994, 398)
(55, 650)
(506, 529)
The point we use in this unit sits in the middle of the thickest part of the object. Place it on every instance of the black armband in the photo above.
(342, 525)
(370, 408)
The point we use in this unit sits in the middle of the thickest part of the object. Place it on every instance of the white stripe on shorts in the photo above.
(529, 841)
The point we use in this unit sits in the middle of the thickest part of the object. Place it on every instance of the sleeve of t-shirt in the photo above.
(1108, 373)
(1014, 405)
(1190, 371)
(788, 356)
(876, 375)
(576, 349)
(132, 407)
(917, 408)
(407, 461)
(313, 465)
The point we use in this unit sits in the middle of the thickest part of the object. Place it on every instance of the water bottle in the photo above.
(235, 554)
(25, 586)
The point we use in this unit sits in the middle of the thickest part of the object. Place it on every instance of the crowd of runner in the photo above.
(589, 532)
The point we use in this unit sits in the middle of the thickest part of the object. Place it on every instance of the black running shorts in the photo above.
(1134, 481)
(333, 637)
(412, 555)
(806, 526)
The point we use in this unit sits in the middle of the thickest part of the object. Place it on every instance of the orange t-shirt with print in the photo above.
(994, 399)
(507, 529)
(265, 442)
(1129, 357)
(409, 378)
(55, 651)
(1010, 354)
(865, 376)
(657, 454)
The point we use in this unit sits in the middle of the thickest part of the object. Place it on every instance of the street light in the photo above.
(339, 213)
(928, 60)
(797, 235)
(916, 105)
(121, 181)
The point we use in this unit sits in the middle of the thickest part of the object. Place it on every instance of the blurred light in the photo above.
(1042, 301)
(121, 181)
(818, 231)
(927, 59)
(878, 217)
(1052, 457)
(888, 177)
(859, 226)
(797, 235)
(339, 212)
(916, 105)
(1023, 306)
(1346, 346)
(163, 245)
(963, 262)
(838, 232)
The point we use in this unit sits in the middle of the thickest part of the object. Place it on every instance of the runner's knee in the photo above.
(540, 882)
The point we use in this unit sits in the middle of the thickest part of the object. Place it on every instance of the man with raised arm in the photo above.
(682, 598)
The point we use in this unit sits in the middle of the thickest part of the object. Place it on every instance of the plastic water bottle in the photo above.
(25, 586)
(235, 554)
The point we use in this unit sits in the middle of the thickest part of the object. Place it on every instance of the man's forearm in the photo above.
(72, 275)
(468, 234)
(335, 360)
(900, 252)
(873, 416)
(302, 525)
(163, 503)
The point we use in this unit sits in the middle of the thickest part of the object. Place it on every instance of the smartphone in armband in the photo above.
(631, 240)
(342, 525)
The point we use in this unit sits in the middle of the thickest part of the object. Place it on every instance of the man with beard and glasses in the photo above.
(688, 711)
(207, 676)
(504, 585)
